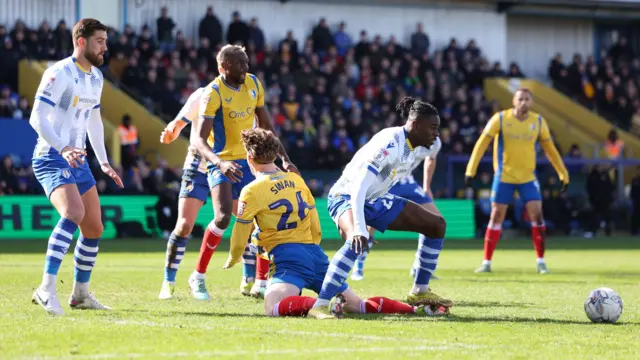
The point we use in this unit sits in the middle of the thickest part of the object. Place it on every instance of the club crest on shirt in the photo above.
(241, 206)
(66, 173)
(253, 94)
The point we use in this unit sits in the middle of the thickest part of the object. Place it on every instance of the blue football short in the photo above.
(502, 193)
(302, 265)
(194, 185)
(52, 171)
(216, 178)
(378, 213)
(412, 192)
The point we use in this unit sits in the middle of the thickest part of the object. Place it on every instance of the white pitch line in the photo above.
(281, 332)
(263, 352)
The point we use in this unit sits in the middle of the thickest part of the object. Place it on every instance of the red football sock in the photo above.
(293, 306)
(210, 241)
(262, 268)
(385, 305)
(538, 233)
(491, 238)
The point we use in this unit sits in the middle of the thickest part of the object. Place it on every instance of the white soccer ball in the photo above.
(603, 305)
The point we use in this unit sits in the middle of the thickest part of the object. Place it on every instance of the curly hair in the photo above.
(226, 51)
(261, 145)
(410, 105)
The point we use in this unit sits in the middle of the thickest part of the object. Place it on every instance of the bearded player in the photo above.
(66, 110)
(230, 104)
(515, 133)
(282, 204)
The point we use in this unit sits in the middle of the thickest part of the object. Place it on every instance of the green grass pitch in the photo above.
(512, 313)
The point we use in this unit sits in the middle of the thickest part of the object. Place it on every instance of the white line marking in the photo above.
(264, 352)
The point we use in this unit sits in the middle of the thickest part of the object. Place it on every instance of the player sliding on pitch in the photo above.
(282, 204)
(361, 198)
(67, 108)
(516, 132)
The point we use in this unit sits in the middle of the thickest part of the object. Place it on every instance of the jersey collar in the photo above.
(406, 139)
(224, 81)
(80, 66)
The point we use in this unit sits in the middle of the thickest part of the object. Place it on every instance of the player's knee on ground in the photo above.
(183, 227)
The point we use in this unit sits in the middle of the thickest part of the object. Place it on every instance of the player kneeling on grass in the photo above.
(289, 231)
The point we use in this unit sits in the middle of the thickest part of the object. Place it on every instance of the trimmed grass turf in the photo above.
(511, 313)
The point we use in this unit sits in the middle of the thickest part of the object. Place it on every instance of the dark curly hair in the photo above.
(410, 105)
(261, 145)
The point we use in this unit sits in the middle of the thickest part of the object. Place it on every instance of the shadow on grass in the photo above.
(159, 245)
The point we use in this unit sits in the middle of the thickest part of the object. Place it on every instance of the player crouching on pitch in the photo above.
(284, 210)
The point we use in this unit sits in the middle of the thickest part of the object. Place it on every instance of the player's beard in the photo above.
(95, 59)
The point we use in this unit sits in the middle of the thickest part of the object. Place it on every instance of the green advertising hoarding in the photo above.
(33, 217)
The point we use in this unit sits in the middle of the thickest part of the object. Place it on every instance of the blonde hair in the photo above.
(226, 51)
(261, 145)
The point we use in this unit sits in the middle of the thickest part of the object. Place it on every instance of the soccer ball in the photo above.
(603, 305)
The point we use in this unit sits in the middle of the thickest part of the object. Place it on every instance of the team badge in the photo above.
(189, 187)
(241, 206)
(533, 127)
(66, 173)
(253, 94)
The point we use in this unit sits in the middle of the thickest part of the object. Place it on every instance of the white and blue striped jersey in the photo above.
(421, 154)
(189, 113)
(388, 155)
(73, 93)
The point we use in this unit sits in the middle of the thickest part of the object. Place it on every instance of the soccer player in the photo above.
(229, 105)
(516, 132)
(194, 191)
(289, 231)
(361, 198)
(409, 189)
(66, 110)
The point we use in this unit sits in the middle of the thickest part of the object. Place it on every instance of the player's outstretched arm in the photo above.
(264, 121)
(172, 131)
(95, 130)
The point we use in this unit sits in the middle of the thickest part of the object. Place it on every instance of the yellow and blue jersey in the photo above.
(514, 148)
(283, 210)
(231, 110)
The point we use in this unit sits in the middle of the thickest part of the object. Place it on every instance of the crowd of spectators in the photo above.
(327, 93)
(608, 85)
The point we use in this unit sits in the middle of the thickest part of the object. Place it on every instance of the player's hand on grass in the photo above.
(289, 167)
(468, 180)
(73, 156)
(169, 134)
(107, 169)
(360, 244)
(231, 170)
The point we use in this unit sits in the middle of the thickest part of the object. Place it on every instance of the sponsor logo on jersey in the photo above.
(383, 153)
(241, 206)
